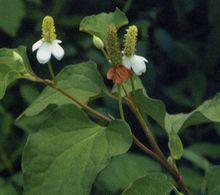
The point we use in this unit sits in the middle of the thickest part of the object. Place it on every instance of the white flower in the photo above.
(136, 63)
(46, 49)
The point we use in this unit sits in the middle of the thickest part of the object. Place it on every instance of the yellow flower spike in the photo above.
(48, 29)
(130, 41)
(113, 46)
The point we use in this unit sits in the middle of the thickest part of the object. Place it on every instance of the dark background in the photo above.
(180, 38)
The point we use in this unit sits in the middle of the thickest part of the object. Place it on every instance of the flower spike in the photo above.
(113, 46)
(48, 29)
(130, 41)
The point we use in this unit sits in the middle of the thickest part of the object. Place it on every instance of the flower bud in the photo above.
(98, 42)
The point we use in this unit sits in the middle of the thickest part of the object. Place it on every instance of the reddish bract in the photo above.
(119, 74)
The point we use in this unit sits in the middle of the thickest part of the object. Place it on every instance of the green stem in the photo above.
(132, 83)
(149, 135)
(105, 54)
(120, 103)
(52, 73)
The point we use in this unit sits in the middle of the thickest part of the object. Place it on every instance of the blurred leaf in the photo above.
(70, 21)
(195, 84)
(123, 170)
(54, 166)
(29, 93)
(185, 53)
(214, 14)
(207, 149)
(196, 159)
(175, 145)
(82, 80)
(177, 94)
(192, 178)
(213, 46)
(152, 183)
(14, 65)
(6, 122)
(17, 179)
(38, 2)
(10, 18)
(7, 188)
(164, 40)
(98, 24)
(212, 179)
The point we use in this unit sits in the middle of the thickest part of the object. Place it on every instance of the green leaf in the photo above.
(175, 145)
(65, 159)
(10, 18)
(209, 111)
(122, 171)
(81, 80)
(97, 24)
(212, 179)
(152, 183)
(7, 188)
(164, 40)
(196, 159)
(14, 64)
(207, 149)
(192, 178)
(29, 93)
(37, 2)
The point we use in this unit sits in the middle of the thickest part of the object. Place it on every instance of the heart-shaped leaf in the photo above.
(68, 152)
(98, 24)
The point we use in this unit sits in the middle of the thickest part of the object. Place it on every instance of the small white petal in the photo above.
(138, 64)
(58, 41)
(57, 50)
(44, 53)
(37, 45)
(127, 62)
(143, 58)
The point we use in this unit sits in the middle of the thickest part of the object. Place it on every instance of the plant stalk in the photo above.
(132, 83)
(176, 175)
(120, 103)
(52, 73)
